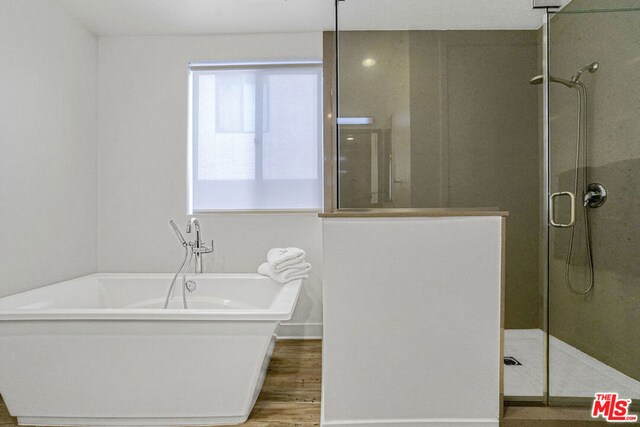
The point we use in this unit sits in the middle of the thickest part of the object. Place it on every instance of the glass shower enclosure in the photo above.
(537, 121)
(594, 242)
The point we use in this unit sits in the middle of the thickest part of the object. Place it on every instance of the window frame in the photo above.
(260, 68)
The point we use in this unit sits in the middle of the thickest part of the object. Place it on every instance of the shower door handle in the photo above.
(572, 219)
(390, 179)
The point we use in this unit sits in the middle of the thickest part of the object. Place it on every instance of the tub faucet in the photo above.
(199, 248)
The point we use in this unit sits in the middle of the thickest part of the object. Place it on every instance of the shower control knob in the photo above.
(595, 196)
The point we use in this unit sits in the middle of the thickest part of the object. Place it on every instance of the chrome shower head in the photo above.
(592, 68)
(538, 80)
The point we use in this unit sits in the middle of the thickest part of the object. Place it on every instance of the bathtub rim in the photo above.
(281, 309)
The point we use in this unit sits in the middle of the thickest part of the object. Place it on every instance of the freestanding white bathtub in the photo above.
(100, 350)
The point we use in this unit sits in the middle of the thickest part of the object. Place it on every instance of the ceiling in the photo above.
(174, 17)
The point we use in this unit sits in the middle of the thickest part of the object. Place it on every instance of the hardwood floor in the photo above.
(533, 416)
(5, 419)
(291, 392)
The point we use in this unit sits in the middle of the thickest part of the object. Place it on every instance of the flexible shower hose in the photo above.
(581, 139)
(188, 253)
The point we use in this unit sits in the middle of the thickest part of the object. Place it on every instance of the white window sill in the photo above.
(259, 212)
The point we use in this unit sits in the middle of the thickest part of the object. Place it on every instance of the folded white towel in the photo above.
(298, 265)
(287, 275)
(282, 258)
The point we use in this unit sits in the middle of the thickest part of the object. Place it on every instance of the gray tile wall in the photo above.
(605, 322)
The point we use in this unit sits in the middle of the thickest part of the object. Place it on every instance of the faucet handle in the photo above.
(203, 249)
(595, 196)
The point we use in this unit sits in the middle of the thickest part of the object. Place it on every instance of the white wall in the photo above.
(48, 81)
(142, 163)
(412, 321)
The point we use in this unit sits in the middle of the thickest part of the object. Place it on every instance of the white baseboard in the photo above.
(299, 331)
(427, 422)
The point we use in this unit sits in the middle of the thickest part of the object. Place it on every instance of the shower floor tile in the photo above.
(573, 373)
(526, 346)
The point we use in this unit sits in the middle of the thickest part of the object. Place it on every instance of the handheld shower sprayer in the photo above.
(191, 249)
(178, 233)
(592, 68)
(188, 253)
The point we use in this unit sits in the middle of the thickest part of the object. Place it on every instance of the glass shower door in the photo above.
(594, 156)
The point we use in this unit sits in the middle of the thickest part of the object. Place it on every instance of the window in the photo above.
(255, 137)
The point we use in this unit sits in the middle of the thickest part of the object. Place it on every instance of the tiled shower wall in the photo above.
(603, 323)
(463, 124)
